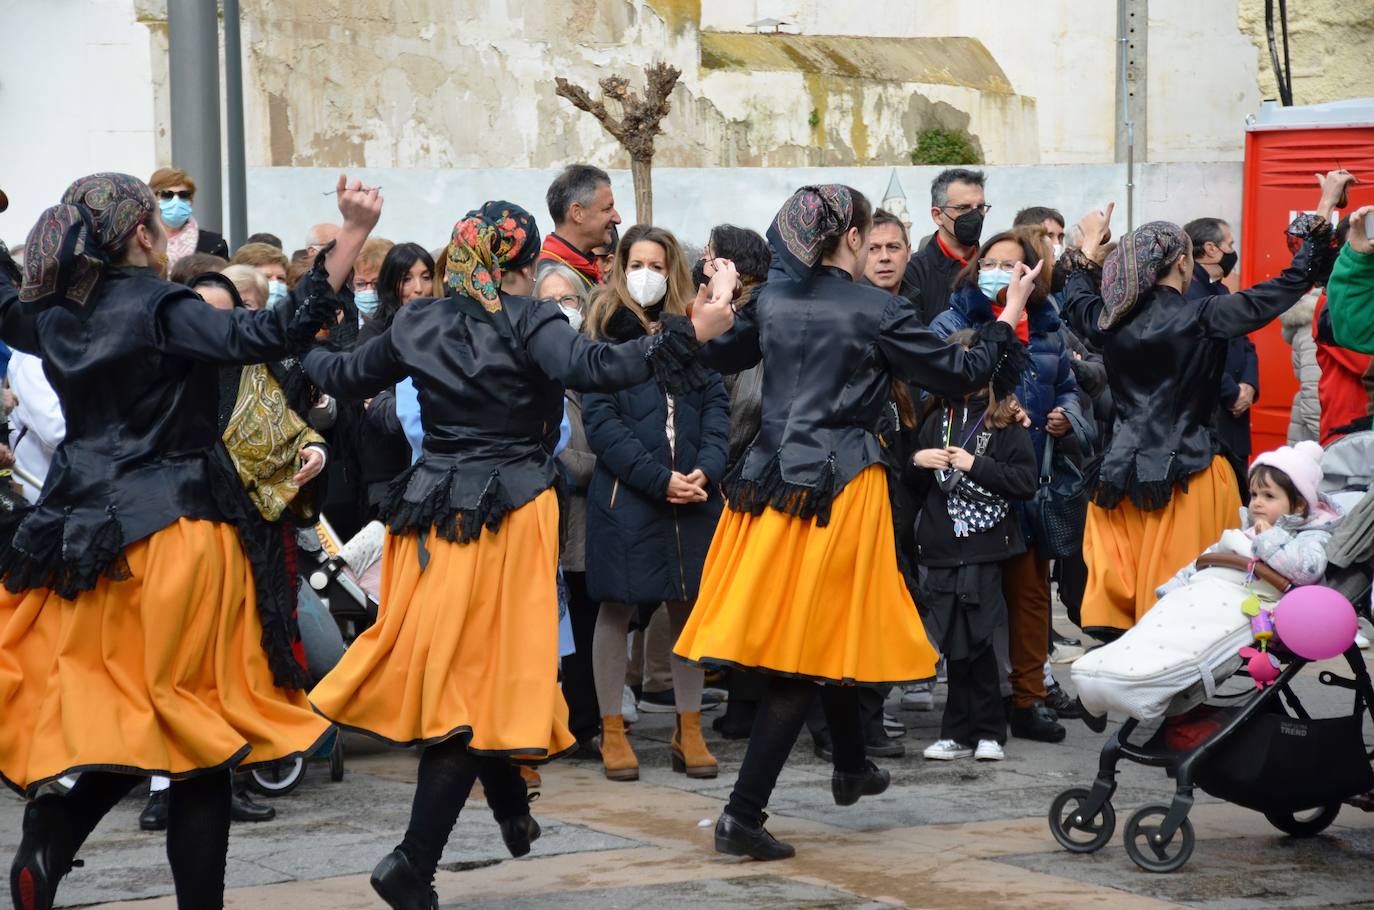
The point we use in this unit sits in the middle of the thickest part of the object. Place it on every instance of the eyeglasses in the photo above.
(965, 208)
(175, 194)
(1006, 265)
(569, 301)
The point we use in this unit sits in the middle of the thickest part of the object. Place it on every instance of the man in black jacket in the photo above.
(1214, 257)
(957, 207)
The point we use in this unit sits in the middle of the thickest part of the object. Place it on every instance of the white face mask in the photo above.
(1058, 251)
(647, 287)
(574, 315)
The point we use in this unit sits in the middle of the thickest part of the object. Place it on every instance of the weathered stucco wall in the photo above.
(1330, 45)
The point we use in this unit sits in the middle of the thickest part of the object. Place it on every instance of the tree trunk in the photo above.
(642, 172)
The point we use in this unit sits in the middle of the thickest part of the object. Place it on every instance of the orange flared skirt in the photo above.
(781, 594)
(159, 673)
(1130, 552)
(465, 646)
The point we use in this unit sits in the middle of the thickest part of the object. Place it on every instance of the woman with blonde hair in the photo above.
(654, 499)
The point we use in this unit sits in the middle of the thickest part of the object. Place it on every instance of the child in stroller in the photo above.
(1260, 753)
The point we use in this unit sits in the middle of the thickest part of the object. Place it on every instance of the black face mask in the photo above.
(968, 228)
(1228, 262)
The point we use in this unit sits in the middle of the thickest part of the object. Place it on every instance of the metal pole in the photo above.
(193, 66)
(233, 100)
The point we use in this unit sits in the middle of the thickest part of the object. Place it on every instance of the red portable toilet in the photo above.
(1284, 147)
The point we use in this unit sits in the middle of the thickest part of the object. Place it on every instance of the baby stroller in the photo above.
(333, 609)
(1263, 750)
(1259, 748)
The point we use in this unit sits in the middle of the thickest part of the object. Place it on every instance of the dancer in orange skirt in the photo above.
(801, 581)
(1165, 488)
(463, 659)
(139, 633)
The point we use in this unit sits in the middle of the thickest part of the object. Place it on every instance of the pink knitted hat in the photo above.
(1303, 465)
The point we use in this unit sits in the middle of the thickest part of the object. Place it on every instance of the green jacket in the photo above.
(1350, 298)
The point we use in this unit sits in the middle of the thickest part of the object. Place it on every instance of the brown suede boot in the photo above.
(616, 753)
(690, 754)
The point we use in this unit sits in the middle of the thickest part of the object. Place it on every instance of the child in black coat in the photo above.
(974, 458)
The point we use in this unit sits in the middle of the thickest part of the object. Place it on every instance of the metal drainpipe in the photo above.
(193, 67)
(1132, 19)
(233, 102)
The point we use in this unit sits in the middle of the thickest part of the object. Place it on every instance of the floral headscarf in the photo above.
(74, 240)
(1134, 266)
(488, 242)
(805, 222)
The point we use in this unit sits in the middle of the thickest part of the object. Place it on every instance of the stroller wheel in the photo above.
(1076, 833)
(279, 777)
(1144, 848)
(336, 760)
(1304, 823)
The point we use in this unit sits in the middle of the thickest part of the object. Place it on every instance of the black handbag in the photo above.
(1060, 506)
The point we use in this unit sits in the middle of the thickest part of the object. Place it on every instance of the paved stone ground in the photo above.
(946, 835)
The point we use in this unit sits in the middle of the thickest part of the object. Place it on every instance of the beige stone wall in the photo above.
(1330, 45)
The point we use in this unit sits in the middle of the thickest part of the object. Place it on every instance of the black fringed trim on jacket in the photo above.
(672, 356)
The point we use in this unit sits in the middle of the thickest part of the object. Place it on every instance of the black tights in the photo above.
(781, 715)
(447, 773)
(197, 827)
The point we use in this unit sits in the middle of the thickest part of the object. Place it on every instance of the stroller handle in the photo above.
(1240, 563)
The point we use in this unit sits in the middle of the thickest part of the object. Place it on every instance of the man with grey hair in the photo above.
(582, 207)
(1214, 258)
(957, 207)
(320, 236)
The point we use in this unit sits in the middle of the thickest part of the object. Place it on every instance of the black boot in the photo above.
(847, 787)
(154, 815)
(519, 833)
(1036, 722)
(243, 809)
(735, 838)
(396, 882)
(45, 854)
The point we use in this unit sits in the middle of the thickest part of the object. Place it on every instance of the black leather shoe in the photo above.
(735, 838)
(847, 787)
(882, 747)
(1036, 722)
(519, 833)
(1064, 707)
(396, 882)
(243, 809)
(45, 854)
(154, 815)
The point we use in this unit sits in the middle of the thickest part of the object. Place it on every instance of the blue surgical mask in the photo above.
(367, 301)
(991, 281)
(175, 211)
(276, 292)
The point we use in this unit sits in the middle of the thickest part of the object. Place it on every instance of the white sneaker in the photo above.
(946, 750)
(1361, 642)
(629, 708)
(989, 750)
(1066, 654)
(919, 696)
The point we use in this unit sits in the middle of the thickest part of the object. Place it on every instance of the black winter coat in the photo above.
(641, 548)
(929, 279)
(1003, 463)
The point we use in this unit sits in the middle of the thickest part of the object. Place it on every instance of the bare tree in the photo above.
(639, 122)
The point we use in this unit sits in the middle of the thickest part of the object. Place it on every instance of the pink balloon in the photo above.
(1315, 622)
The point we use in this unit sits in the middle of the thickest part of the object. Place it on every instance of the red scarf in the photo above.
(949, 254)
(1022, 327)
(556, 249)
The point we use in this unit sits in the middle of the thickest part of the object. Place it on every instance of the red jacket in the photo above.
(1341, 388)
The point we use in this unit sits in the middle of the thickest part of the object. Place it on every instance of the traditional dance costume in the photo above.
(133, 638)
(802, 580)
(463, 658)
(1165, 492)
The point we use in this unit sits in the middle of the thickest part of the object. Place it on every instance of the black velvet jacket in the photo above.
(832, 348)
(491, 399)
(1164, 364)
(136, 372)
